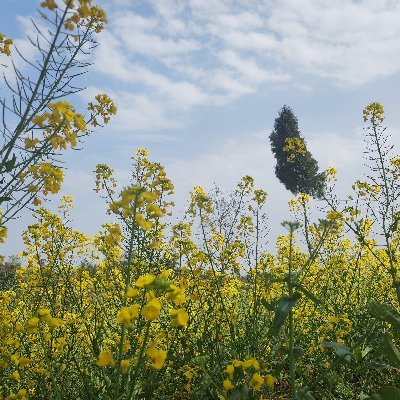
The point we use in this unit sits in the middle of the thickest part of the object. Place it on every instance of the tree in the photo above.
(295, 166)
(8, 273)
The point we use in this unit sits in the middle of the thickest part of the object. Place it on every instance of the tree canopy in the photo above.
(295, 166)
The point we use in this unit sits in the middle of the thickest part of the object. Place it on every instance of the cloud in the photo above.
(188, 54)
(335, 40)
(24, 47)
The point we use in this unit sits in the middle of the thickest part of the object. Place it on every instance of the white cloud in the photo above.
(251, 41)
(185, 54)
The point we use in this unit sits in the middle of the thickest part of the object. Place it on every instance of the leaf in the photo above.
(282, 350)
(307, 293)
(4, 198)
(234, 395)
(390, 349)
(285, 305)
(366, 351)
(269, 306)
(341, 351)
(9, 165)
(244, 393)
(378, 366)
(386, 313)
(386, 393)
(200, 360)
(304, 394)
(298, 352)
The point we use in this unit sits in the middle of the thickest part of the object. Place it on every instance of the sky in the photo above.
(199, 83)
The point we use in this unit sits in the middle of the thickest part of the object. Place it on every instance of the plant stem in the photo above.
(290, 287)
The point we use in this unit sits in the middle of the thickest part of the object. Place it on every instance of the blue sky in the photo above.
(200, 82)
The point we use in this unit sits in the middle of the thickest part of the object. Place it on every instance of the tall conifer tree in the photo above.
(295, 166)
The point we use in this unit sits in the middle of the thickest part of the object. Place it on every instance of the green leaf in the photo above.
(304, 394)
(9, 165)
(200, 360)
(244, 392)
(235, 394)
(378, 366)
(386, 313)
(269, 306)
(342, 351)
(298, 352)
(4, 198)
(284, 350)
(307, 293)
(386, 393)
(390, 349)
(285, 305)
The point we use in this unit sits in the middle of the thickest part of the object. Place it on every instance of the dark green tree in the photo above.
(295, 166)
(8, 273)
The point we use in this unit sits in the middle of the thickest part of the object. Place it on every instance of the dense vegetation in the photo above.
(199, 309)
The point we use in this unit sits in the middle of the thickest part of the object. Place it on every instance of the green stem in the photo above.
(127, 283)
(291, 323)
(139, 363)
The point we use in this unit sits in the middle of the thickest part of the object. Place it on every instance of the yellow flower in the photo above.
(256, 381)
(23, 361)
(228, 385)
(5, 45)
(176, 295)
(43, 312)
(151, 310)
(332, 319)
(124, 317)
(270, 381)
(79, 122)
(105, 359)
(252, 363)
(179, 317)
(3, 234)
(145, 280)
(134, 311)
(39, 120)
(36, 201)
(230, 369)
(33, 323)
(30, 143)
(50, 4)
(140, 220)
(149, 196)
(154, 211)
(157, 356)
(54, 322)
(131, 292)
(125, 366)
(15, 376)
(237, 363)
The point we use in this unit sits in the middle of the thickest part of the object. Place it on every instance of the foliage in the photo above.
(295, 166)
(37, 122)
(8, 276)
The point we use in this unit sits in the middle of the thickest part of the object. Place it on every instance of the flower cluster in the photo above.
(83, 14)
(5, 44)
(374, 113)
(294, 146)
(249, 373)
